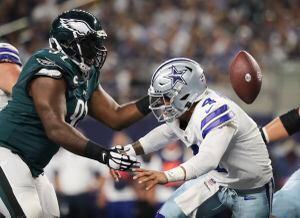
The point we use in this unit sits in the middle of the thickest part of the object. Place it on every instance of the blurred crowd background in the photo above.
(142, 34)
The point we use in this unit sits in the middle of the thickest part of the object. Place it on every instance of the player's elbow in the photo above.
(53, 131)
(214, 164)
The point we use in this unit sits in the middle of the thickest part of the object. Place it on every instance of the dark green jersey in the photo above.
(21, 129)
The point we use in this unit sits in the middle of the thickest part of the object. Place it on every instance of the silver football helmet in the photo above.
(175, 85)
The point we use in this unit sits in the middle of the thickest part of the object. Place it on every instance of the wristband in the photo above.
(143, 105)
(96, 152)
(175, 174)
(291, 121)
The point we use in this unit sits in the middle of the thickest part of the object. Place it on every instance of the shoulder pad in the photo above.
(47, 59)
(56, 74)
(44, 61)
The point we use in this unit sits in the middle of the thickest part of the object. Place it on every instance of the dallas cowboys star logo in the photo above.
(176, 76)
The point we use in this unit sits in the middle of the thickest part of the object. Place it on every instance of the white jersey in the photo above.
(245, 159)
(8, 54)
(3, 99)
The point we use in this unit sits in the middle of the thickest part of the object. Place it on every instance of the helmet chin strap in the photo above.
(85, 69)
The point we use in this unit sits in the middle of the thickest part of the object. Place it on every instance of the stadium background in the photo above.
(142, 34)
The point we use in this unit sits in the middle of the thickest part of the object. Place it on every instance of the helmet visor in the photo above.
(161, 106)
(93, 50)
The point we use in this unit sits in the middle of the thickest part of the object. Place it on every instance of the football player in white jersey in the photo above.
(222, 135)
(286, 201)
(10, 68)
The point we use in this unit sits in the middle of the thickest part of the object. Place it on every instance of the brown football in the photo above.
(245, 76)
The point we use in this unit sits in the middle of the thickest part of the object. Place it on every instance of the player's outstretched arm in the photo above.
(153, 141)
(212, 149)
(9, 73)
(282, 127)
(49, 98)
(105, 109)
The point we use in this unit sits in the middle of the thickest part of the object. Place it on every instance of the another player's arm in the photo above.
(49, 99)
(211, 151)
(9, 73)
(282, 127)
(153, 141)
(105, 109)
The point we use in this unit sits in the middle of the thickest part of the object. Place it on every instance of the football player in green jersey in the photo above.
(56, 88)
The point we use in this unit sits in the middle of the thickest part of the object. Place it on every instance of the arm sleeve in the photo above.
(157, 138)
(210, 152)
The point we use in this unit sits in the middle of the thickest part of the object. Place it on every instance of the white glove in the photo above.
(118, 160)
(127, 149)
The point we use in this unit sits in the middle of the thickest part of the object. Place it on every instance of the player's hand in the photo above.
(119, 148)
(123, 162)
(122, 150)
(150, 177)
(115, 174)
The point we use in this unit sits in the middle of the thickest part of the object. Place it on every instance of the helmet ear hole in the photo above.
(184, 97)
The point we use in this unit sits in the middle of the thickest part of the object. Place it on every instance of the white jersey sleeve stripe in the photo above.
(218, 122)
(214, 114)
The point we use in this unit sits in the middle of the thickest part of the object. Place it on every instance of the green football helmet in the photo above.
(80, 36)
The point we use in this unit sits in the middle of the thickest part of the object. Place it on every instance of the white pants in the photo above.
(22, 195)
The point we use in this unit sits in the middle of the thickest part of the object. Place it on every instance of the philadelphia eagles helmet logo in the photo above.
(80, 27)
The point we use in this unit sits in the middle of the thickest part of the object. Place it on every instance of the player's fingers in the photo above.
(141, 174)
(115, 174)
(147, 179)
(137, 170)
(150, 185)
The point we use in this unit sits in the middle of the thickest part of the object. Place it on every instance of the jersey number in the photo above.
(79, 113)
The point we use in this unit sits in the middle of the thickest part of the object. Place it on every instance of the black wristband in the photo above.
(143, 105)
(96, 152)
(291, 121)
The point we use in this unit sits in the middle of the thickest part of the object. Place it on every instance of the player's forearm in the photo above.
(282, 127)
(125, 115)
(67, 137)
(274, 131)
(105, 109)
(212, 149)
(118, 117)
(153, 141)
(72, 140)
